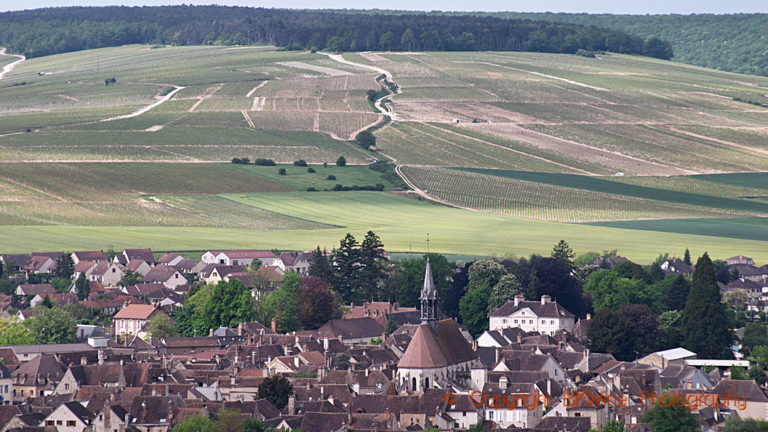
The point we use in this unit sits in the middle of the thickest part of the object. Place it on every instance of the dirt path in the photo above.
(9, 67)
(253, 90)
(213, 89)
(40, 191)
(248, 119)
(162, 100)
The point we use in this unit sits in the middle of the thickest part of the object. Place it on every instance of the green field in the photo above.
(403, 224)
(525, 142)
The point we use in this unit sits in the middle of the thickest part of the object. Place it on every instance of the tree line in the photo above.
(48, 31)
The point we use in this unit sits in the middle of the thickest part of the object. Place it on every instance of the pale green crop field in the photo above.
(402, 223)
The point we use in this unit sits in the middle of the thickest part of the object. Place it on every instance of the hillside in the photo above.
(734, 43)
(145, 160)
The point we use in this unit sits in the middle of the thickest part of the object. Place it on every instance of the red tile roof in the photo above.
(423, 351)
(136, 311)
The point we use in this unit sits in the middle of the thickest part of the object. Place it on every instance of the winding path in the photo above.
(9, 67)
(162, 100)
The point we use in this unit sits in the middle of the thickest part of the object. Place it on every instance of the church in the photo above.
(438, 353)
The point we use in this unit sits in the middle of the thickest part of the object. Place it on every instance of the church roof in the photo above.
(427, 350)
(428, 291)
(423, 351)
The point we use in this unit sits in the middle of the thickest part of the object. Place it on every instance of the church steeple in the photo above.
(429, 310)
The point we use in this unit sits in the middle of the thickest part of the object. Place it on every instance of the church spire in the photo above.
(428, 299)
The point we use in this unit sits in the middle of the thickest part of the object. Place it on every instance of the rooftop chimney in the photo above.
(83, 360)
(274, 326)
(589, 316)
(518, 299)
(210, 332)
(291, 405)
(546, 299)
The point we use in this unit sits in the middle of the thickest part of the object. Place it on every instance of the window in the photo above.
(413, 384)
(490, 415)
(552, 322)
(515, 321)
(49, 422)
(530, 321)
(22, 392)
(543, 322)
(504, 321)
(113, 270)
(59, 422)
(71, 423)
(426, 383)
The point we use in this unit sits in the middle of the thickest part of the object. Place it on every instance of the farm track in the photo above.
(9, 67)
(162, 100)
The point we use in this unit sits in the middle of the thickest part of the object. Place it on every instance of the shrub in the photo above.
(311, 170)
(300, 163)
(325, 164)
(341, 161)
(331, 177)
(281, 171)
(311, 189)
(264, 162)
(235, 160)
(245, 161)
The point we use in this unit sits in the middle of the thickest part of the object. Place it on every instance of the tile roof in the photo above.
(37, 289)
(136, 311)
(423, 351)
(245, 253)
(90, 255)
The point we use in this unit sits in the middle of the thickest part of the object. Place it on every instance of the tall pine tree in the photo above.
(345, 262)
(678, 293)
(687, 257)
(704, 319)
(320, 266)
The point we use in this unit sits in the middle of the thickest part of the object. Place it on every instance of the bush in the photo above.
(281, 171)
(341, 161)
(245, 161)
(311, 170)
(311, 189)
(236, 160)
(300, 163)
(331, 177)
(264, 162)
(325, 164)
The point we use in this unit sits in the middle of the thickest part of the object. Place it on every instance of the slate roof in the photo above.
(159, 273)
(37, 289)
(41, 367)
(549, 309)
(90, 256)
(140, 254)
(355, 328)
(83, 413)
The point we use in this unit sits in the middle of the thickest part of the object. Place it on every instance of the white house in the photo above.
(132, 318)
(242, 257)
(70, 417)
(545, 316)
(107, 273)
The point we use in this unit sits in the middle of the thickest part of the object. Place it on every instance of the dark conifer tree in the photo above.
(704, 320)
(687, 257)
(678, 293)
(344, 263)
(320, 266)
(608, 333)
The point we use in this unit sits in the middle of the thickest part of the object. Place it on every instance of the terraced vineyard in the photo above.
(564, 199)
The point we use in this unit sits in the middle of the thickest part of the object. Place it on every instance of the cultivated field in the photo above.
(523, 141)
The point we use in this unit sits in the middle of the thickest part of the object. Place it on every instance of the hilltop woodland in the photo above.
(49, 31)
(734, 43)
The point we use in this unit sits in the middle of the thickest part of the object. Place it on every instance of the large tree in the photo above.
(473, 309)
(345, 261)
(281, 305)
(371, 269)
(671, 418)
(320, 266)
(83, 287)
(316, 303)
(196, 423)
(704, 320)
(505, 290)
(14, 332)
(563, 253)
(65, 266)
(52, 326)
(643, 325)
(161, 326)
(608, 333)
(276, 389)
(754, 334)
(555, 279)
(677, 293)
(409, 276)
